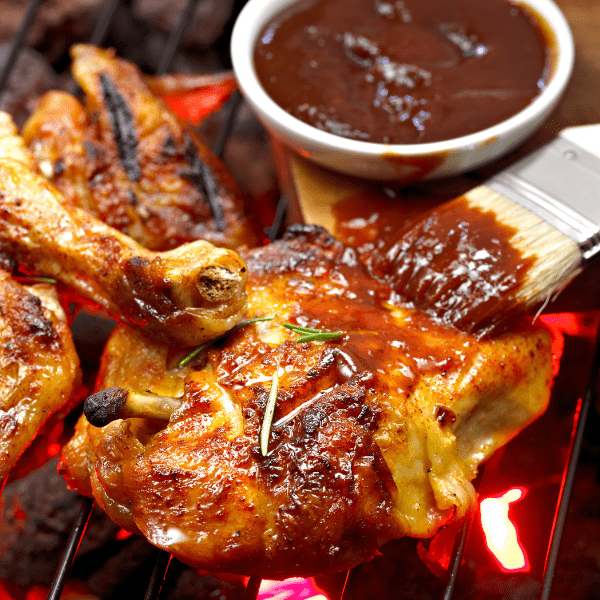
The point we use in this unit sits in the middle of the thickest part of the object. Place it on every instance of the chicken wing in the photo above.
(377, 432)
(128, 160)
(39, 368)
(185, 296)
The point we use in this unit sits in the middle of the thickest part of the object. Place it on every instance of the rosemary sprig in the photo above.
(36, 278)
(312, 335)
(199, 349)
(265, 429)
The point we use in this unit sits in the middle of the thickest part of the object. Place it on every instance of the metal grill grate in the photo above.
(163, 558)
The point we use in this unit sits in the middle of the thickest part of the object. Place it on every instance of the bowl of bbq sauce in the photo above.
(401, 90)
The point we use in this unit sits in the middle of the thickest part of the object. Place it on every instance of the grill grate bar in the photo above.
(175, 38)
(252, 588)
(232, 107)
(159, 574)
(352, 578)
(456, 559)
(17, 41)
(64, 568)
(107, 12)
(562, 509)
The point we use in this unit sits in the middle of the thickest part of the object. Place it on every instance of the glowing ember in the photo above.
(122, 534)
(294, 588)
(500, 534)
(580, 324)
(194, 105)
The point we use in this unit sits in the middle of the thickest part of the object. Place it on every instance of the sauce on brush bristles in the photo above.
(478, 261)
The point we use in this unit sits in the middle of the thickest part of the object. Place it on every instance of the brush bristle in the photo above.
(556, 258)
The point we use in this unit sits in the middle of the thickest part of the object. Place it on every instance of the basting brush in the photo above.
(508, 245)
(500, 249)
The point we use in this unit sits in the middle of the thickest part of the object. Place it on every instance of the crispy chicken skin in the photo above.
(128, 160)
(375, 435)
(185, 296)
(39, 368)
(12, 145)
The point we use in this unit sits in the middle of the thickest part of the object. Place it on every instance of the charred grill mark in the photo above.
(169, 149)
(302, 460)
(311, 234)
(201, 176)
(123, 126)
(91, 150)
(27, 311)
(285, 261)
(132, 198)
(191, 152)
(311, 422)
(59, 167)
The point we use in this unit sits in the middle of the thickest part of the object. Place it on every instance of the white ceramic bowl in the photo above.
(398, 162)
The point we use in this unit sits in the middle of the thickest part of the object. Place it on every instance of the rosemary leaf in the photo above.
(265, 430)
(321, 336)
(199, 349)
(299, 329)
(36, 278)
(194, 353)
(312, 335)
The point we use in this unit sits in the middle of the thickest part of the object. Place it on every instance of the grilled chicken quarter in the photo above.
(375, 435)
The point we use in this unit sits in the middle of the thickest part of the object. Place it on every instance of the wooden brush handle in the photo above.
(317, 191)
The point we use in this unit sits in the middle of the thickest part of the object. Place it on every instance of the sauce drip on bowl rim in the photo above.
(402, 72)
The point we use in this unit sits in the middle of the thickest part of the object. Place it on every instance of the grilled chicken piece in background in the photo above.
(375, 435)
(127, 159)
(185, 296)
(39, 368)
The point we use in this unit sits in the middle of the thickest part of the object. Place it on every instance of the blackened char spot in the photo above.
(33, 321)
(59, 167)
(444, 416)
(201, 176)
(102, 407)
(168, 147)
(91, 150)
(311, 421)
(123, 126)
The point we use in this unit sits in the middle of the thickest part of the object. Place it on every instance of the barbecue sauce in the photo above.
(338, 294)
(402, 72)
(457, 263)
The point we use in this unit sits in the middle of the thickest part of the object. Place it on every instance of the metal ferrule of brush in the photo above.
(560, 183)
